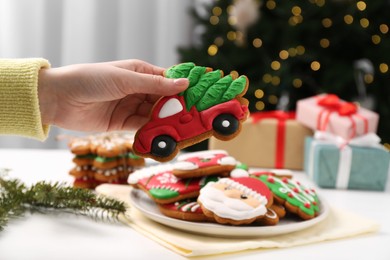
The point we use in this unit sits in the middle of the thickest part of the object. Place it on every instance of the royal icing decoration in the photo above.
(204, 159)
(216, 200)
(294, 193)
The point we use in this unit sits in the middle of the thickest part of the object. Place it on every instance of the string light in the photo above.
(275, 65)
(275, 81)
(297, 83)
(259, 93)
(361, 5)
(260, 105)
(214, 20)
(217, 11)
(384, 28)
(292, 51)
(272, 99)
(320, 3)
(231, 36)
(368, 78)
(315, 65)
(230, 9)
(327, 22)
(270, 4)
(364, 22)
(267, 78)
(218, 41)
(234, 74)
(348, 19)
(324, 43)
(257, 43)
(232, 20)
(283, 54)
(376, 39)
(300, 50)
(296, 10)
(383, 68)
(212, 50)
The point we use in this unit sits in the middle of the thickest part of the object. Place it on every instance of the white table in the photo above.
(57, 237)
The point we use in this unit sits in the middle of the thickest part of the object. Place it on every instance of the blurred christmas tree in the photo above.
(295, 49)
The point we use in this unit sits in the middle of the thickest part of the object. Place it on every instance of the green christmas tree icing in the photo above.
(206, 89)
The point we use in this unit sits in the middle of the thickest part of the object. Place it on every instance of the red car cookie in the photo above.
(211, 105)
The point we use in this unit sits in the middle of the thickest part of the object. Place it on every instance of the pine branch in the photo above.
(44, 197)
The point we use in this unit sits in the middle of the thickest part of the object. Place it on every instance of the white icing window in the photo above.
(170, 108)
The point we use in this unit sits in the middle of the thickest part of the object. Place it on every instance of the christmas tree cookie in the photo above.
(293, 195)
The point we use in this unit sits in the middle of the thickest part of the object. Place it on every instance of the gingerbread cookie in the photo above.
(163, 187)
(204, 163)
(293, 195)
(109, 158)
(188, 209)
(235, 201)
(212, 105)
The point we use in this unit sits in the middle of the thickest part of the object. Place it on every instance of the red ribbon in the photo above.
(281, 116)
(333, 104)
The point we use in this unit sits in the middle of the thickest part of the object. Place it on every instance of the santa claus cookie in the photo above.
(163, 187)
(293, 195)
(235, 201)
(188, 209)
(203, 163)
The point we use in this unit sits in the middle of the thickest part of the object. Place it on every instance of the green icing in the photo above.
(207, 179)
(214, 93)
(133, 156)
(161, 193)
(235, 89)
(179, 71)
(242, 166)
(86, 156)
(195, 74)
(106, 159)
(206, 89)
(282, 190)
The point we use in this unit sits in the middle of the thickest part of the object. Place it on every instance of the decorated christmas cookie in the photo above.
(107, 156)
(235, 201)
(203, 163)
(188, 209)
(163, 187)
(213, 104)
(294, 196)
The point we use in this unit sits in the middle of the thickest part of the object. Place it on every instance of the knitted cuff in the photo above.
(19, 104)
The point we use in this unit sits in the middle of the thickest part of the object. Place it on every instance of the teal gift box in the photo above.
(361, 168)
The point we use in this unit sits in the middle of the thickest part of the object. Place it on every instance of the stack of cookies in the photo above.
(211, 186)
(103, 158)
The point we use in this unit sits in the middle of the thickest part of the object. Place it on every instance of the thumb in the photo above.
(157, 84)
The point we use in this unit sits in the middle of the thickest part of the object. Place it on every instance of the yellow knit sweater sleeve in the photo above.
(19, 104)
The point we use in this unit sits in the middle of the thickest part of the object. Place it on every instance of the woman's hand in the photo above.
(106, 96)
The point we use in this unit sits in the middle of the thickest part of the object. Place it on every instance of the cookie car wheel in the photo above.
(225, 124)
(163, 146)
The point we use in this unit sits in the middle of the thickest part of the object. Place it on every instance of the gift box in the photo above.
(272, 139)
(361, 164)
(329, 113)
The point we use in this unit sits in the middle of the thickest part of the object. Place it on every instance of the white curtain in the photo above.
(78, 31)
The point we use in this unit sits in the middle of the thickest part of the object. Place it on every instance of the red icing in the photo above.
(296, 190)
(270, 179)
(169, 181)
(285, 180)
(180, 206)
(290, 195)
(203, 162)
(307, 205)
(185, 124)
(255, 185)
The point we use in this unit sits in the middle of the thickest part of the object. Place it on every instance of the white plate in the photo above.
(148, 207)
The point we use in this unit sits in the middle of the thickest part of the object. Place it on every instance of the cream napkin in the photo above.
(339, 224)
